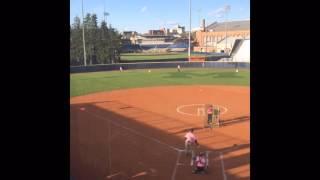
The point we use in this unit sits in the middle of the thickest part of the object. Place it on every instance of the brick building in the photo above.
(221, 36)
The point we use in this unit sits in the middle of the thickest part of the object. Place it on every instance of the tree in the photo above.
(88, 37)
(114, 49)
(94, 38)
(76, 50)
(77, 23)
(102, 43)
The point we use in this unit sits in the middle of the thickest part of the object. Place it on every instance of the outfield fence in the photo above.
(209, 58)
(155, 65)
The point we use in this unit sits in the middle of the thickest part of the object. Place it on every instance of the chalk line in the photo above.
(222, 166)
(134, 131)
(189, 114)
(175, 167)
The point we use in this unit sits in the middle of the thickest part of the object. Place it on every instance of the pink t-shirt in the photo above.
(190, 137)
(200, 161)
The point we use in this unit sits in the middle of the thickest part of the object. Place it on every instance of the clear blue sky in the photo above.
(142, 15)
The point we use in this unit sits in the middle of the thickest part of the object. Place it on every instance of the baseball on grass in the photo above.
(149, 70)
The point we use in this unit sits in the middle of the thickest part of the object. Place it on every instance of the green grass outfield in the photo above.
(86, 83)
(158, 56)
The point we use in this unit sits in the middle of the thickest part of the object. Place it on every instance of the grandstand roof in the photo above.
(231, 26)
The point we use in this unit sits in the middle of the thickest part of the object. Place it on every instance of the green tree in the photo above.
(102, 43)
(76, 51)
(77, 23)
(88, 37)
(115, 39)
(94, 38)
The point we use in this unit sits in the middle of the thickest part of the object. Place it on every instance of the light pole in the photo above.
(199, 14)
(206, 46)
(225, 23)
(105, 14)
(83, 40)
(104, 19)
(189, 50)
(227, 8)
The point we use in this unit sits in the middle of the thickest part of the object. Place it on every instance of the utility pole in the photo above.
(189, 50)
(83, 40)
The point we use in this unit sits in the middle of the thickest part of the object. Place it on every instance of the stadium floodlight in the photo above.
(226, 10)
(105, 14)
(83, 40)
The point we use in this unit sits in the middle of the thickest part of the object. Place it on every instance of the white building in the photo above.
(243, 53)
(180, 29)
(177, 30)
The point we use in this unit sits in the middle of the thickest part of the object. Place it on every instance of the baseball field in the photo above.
(131, 124)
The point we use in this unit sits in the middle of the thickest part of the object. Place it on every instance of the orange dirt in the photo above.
(197, 59)
(138, 133)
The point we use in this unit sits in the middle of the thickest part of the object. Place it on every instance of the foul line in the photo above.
(109, 147)
(140, 134)
(175, 167)
(189, 114)
(159, 142)
(134, 131)
(222, 165)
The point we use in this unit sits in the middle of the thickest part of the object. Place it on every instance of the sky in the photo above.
(144, 15)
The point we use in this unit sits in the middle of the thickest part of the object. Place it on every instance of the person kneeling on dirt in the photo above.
(200, 162)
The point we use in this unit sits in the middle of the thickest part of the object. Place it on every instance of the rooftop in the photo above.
(231, 25)
(149, 35)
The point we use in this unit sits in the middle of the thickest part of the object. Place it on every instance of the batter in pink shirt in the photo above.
(190, 137)
(190, 140)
